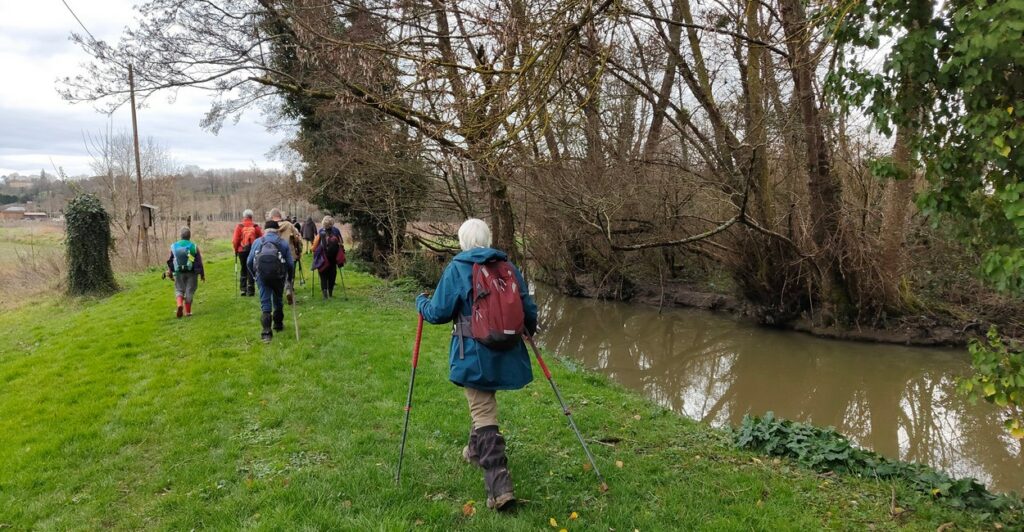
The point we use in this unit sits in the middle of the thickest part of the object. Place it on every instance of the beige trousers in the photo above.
(483, 407)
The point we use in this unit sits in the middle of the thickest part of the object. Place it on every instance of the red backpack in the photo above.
(248, 235)
(497, 319)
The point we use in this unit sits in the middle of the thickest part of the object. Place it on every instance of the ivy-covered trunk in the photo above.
(87, 244)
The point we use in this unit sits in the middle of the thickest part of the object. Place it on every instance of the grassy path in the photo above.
(113, 414)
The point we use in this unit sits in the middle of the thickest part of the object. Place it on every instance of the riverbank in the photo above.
(114, 414)
(948, 326)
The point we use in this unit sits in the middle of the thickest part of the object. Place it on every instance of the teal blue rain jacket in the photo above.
(482, 368)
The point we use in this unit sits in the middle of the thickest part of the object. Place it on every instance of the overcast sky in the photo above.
(38, 129)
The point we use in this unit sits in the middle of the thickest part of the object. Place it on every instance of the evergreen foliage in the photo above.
(88, 243)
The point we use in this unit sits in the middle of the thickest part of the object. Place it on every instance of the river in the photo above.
(899, 401)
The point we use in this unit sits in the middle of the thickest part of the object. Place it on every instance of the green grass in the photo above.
(113, 414)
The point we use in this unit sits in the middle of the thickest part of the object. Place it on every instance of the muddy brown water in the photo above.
(899, 401)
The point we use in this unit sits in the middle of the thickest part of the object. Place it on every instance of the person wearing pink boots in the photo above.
(185, 267)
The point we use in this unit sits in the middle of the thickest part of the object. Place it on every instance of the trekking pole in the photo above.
(302, 274)
(295, 317)
(344, 293)
(408, 399)
(565, 409)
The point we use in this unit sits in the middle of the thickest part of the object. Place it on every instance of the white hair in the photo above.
(247, 213)
(327, 222)
(474, 233)
(275, 214)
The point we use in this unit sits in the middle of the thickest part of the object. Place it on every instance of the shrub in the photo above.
(87, 242)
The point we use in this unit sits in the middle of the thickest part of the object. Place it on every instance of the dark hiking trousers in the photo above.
(272, 298)
(328, 278)
(246, 283)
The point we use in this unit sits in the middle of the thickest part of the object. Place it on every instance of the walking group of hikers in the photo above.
(268, 258)
(481, 292)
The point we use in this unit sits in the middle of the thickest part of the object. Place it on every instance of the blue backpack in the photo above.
(184, 253)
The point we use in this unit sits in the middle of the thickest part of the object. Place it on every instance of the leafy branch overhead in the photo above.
(953, 79)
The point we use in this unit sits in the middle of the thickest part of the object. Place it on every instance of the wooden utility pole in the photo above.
(138, 169)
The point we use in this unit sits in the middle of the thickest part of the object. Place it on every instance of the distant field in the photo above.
(32, 257)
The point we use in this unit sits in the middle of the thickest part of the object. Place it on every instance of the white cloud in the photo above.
(37, 126)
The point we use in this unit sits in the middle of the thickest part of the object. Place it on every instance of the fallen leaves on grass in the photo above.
(574, 516)
(553, 523)
(469, 509)
(586, 466)
(619, 464)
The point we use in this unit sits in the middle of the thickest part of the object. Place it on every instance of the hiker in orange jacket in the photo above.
(246, 232)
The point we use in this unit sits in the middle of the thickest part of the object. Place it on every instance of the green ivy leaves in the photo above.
(87, 243)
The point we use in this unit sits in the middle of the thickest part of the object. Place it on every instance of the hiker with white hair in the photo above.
(486, 297)
(185, 267)
(246, 232)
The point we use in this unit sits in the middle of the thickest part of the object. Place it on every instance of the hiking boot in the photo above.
(290, 297)
(324, 292)
(241, 293)
(502, 503)
(278, 320)
(180, 311)
(469, 451)
(490, 448)
(266, 335)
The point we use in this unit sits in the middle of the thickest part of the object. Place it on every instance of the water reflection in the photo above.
(899, 401)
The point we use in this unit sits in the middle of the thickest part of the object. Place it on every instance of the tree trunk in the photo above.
(668, 79)
(502, 216)
(892, 234)
(824, 188)
(757, 135)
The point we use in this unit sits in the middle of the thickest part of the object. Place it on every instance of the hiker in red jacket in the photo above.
(246, 232)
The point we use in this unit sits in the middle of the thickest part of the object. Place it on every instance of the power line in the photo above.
(94, 39)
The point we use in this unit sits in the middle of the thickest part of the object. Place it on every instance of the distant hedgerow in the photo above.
(87, 242)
